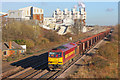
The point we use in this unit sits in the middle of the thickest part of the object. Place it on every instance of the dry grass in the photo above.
(36, 38)
(104, 63)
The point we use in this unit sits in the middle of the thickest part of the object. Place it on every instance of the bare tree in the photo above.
(78, 25)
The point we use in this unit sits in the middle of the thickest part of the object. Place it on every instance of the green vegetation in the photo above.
(15, 57)
(20, 41)
(107, 77)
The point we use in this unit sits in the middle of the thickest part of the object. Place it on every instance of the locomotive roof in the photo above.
(65, 47)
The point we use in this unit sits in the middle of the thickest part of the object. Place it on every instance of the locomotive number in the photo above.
(69, 54)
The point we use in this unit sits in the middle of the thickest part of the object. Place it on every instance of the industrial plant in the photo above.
(51, 41)
(62, 21)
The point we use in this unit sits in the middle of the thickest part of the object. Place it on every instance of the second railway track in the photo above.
(34, 73)
(29, 72)
(52, 75)
(37, 70)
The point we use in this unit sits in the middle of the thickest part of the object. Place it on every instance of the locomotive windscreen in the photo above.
(55, 54)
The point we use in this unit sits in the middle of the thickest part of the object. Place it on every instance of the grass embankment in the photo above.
(103, 64)
(34, 37)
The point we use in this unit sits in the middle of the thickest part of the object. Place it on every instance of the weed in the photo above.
(107, 77)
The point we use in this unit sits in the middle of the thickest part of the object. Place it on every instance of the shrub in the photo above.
(9, 59)
(29, 43)
(19, 30)
(20, 42)
(44, 40)
(100, 63)
(110, 51)
(52, 36)
(107, 77)
(41, 40)
(68, 35)
(30, 53)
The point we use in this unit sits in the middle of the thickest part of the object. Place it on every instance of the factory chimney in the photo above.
(79, 9)
(84, 9)
(10, 45)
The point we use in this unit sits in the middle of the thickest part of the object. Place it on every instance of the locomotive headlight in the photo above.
(49, 62)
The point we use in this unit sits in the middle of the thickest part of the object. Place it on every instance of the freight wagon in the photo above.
(60, 56)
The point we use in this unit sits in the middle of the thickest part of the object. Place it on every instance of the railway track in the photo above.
(26, 62)
(49, 74)
(33, 73)
(36, 71)
(53, 75)
(23, 63)
(30, 72)
(31, 66)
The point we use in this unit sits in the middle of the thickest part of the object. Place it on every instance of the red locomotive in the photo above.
(64, 54)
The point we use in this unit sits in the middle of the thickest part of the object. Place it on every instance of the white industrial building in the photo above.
(18, 14)
(73, 14)
(49, 20)
(27, 13)
(68, 21)
(69, 17)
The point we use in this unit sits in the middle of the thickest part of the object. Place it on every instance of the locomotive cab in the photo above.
(55, 60)
(58, 57)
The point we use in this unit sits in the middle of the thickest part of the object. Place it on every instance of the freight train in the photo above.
(62, 55)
